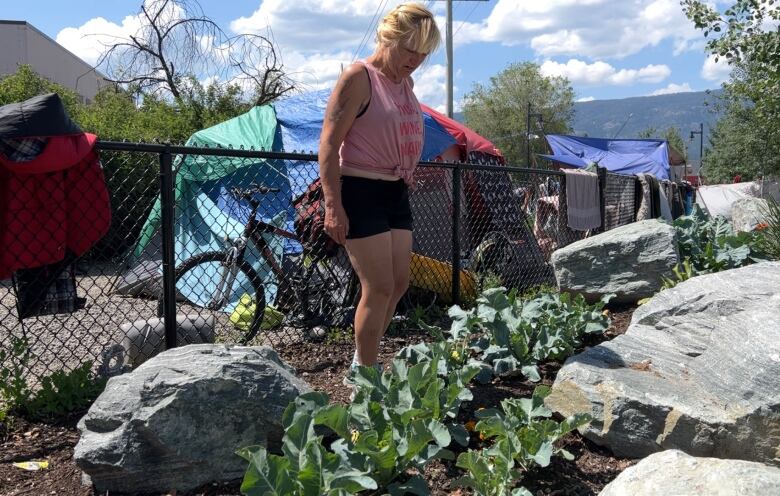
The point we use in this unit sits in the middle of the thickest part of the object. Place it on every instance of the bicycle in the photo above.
(311, 289)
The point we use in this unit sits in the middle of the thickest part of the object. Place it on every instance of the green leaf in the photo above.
(543, 454)
(296, 437)
(414, 440)
(335, 417)
(532, 372)
(310, 474)
(459, 434)
(566, 454)
(353, 482)
(267, 475)
(414, 485)
(440, 433)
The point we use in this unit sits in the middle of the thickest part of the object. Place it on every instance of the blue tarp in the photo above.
(621, 156)
(300, 122)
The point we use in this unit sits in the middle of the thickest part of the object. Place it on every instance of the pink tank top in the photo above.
(388, 137)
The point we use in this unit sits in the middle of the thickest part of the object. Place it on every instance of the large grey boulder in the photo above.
(176, 421)
(674, 472)
(628, 261)
(697, 370)
(747, 213)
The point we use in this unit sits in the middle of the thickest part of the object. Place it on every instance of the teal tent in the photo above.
(206, 214)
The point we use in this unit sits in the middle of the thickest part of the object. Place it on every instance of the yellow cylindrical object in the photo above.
(435, 275)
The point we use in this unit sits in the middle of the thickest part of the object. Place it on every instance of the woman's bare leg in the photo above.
(372, 259)
(402, 257)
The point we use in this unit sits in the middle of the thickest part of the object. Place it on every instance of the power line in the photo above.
(466, 19)
(371, 25)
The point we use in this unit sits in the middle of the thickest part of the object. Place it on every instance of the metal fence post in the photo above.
(602, 173)
(168, 257)
(456, 188)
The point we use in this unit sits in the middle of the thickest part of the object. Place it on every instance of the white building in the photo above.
(22, 44)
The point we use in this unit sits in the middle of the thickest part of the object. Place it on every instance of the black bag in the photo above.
(310, 222)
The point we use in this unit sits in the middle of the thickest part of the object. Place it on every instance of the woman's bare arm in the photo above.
(350, 95)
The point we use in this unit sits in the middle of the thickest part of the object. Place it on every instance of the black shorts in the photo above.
(375, 206)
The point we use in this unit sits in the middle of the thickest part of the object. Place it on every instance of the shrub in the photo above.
(769, 233)
(60, 393)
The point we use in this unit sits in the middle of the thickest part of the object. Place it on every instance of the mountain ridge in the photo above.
(628, 117)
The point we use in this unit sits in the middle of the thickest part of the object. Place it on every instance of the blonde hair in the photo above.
(410, 24)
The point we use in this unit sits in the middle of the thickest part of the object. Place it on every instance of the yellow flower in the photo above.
(455, 355)
(355, 436)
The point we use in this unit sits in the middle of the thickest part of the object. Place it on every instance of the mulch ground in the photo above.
(323, 366)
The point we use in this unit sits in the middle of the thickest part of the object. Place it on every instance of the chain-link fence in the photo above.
(187, 222)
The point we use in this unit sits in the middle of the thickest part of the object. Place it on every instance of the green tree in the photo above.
(747, 34)
(672, 134)
(737, 146)
(499, 110)
(26, 83)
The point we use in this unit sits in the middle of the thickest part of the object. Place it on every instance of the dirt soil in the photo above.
(323, 366)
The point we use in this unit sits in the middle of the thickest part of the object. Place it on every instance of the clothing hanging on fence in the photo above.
(54, 200)
(678, 206)
(582, 199)
(46, 290)
(655, 196)
(643, 198)
(688, 198)
(664, 205)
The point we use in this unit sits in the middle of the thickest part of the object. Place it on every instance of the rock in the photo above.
(674, 472)
(697, 370)
(176, 421)
(628, 261)
(747, 213)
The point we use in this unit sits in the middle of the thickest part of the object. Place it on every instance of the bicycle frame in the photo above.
(254, 231)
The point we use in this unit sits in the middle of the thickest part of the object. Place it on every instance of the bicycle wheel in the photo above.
(318, 292)
(495, 258)
(205, 283)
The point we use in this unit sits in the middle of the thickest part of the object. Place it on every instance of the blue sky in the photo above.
(607, 48)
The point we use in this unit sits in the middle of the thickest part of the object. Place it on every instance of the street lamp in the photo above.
(700, 132)
(528, 116)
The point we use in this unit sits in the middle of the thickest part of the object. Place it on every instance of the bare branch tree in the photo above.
(177, 41)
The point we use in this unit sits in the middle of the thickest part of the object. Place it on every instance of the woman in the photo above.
(370, 144)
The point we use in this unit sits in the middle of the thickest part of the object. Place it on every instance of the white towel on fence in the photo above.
(582, 199)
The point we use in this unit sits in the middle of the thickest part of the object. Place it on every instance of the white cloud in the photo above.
(715, 71)
(317, 38)
(430, 85)
(316, 71)
(586, 99)
(90, 40)
(592, 28)
(314, 25)
(601, 73)
(673, 88)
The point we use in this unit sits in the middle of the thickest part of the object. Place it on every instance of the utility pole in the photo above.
(528, 116)
(700, 132)
(448, 45)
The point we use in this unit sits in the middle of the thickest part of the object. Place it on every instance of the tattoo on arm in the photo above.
(339, 105)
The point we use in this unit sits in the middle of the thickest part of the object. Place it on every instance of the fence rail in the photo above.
(476, 224)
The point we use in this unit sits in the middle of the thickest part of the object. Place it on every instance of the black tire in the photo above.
(495, 257)
(319, 292)
(249, 275)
